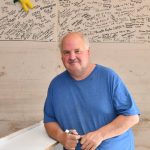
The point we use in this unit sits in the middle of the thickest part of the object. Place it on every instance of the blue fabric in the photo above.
(91, 103)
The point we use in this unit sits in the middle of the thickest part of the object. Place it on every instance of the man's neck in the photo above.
(86, 73)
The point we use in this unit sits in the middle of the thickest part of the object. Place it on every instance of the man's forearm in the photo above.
(118, 126)
(54, 131)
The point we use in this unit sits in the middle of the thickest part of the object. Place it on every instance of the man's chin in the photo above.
(73, 64)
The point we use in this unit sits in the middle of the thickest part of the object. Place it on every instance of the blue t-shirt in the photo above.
(88, 104)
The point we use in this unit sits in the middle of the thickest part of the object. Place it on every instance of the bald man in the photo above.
(89, 100)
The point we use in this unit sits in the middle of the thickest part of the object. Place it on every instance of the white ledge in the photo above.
(31, 138)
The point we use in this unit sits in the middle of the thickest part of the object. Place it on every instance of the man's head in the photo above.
(75, 53)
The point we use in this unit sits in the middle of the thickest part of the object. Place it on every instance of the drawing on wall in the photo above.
(122, 21)
(37, 25)
(107, 20)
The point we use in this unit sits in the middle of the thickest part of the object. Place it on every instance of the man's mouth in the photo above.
(73, 61)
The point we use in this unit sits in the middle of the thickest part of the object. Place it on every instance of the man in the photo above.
(90, 100)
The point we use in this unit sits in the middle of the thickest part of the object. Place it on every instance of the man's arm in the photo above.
(69, 141)
(118, 126)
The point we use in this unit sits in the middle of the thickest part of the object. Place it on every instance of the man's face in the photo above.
(75, 56)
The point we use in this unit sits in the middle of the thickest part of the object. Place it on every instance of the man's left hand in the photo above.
(91, 140)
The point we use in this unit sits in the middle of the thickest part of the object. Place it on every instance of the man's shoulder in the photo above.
(109, 74)
(105, 70)
(60, 77)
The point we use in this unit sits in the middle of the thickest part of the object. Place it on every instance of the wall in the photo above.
(29, 55)
(26, 70)
(131, 61)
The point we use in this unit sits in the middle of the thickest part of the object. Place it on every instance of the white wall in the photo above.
(27, 68)
(25, 72)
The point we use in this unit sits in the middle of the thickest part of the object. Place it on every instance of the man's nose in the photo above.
(72, 55)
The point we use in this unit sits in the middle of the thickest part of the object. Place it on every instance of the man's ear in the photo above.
(89, 51)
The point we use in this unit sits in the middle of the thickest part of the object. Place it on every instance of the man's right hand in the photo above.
(70, 141)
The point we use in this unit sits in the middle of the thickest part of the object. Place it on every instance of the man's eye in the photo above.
(77, 51)
(66, 52)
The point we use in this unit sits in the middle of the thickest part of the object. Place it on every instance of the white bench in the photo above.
(31, 138)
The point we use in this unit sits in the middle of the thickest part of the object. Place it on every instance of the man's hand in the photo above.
(70, 141)
(26, 4)
(91, 140)
(119, 125)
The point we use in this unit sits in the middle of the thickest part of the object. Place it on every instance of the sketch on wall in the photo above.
(37, 25)
(122, 21)
(107, 20)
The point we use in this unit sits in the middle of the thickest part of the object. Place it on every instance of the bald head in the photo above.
(74, 35)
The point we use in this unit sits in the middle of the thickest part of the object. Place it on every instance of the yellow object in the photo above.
(26, 4)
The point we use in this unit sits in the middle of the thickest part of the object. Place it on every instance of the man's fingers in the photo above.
(78, 137)
(84, 145)
(73, 131)
(71, 149)
(82, 140)
(74, 137)
(87, 146)
(94, 147)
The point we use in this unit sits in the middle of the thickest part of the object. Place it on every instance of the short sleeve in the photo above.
(123, 101)
(49, 115)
